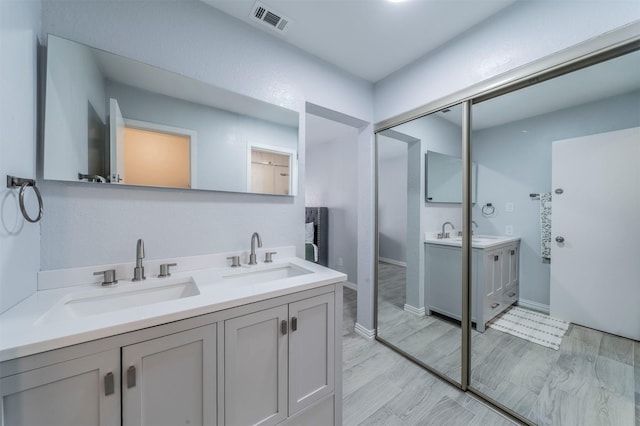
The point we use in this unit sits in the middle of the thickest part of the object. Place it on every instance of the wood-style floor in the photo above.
(382, 387)
(594, 379)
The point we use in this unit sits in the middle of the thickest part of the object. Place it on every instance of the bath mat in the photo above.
(532, 326)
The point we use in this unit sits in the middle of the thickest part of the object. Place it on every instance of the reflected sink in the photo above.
(265, 275)
(477, 239)
(112, 299)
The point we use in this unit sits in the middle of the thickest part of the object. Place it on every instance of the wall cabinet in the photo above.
(494, 280)
(265, 363)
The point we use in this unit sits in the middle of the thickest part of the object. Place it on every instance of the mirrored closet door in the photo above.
(419, 181)
(555, 256)
(551, 167)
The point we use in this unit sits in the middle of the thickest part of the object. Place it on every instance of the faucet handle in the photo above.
(108, 277)
(164, 269)
(235, 261)
(268, 256)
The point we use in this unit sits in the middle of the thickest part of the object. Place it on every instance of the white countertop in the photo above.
(478, 241)
(29, 328)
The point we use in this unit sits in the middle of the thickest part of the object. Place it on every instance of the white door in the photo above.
(595, 272)
(116, 139)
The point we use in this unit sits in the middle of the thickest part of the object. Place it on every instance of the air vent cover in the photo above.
(269, 17)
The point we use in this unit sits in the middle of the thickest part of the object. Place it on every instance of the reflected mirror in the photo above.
(444, 178)
(114, 120)
(560, 323)
(419, 285)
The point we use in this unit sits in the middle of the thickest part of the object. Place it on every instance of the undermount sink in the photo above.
(264, 275)
(112, 299)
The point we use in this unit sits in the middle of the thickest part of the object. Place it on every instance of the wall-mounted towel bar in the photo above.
(23, 183)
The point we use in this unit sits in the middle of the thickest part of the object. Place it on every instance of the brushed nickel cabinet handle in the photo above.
(131, 377)
(109, 384)
(495, 305)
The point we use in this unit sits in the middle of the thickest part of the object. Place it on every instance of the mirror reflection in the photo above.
(559, 161)
(113, 120)
(556, 167)
(418, 307)
(444, 178)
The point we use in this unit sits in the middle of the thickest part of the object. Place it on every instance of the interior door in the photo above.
(595, 231)
(116, 139)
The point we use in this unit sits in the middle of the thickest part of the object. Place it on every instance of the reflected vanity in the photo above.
(114, 120)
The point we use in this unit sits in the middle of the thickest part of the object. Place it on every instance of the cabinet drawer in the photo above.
(493, 306)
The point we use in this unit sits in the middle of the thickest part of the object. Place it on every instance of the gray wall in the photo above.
(513, 164)
(519, 34)
(332, 182)
(19, 240)
(392, 199)
(222, 136)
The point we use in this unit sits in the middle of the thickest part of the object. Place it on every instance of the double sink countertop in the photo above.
(62, 316)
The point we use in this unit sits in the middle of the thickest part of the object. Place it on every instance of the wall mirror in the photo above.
(444, 178)
(113, 120)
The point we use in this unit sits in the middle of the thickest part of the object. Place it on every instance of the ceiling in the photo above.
(368, 38)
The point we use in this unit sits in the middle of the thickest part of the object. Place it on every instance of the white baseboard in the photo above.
(350, 285)
(365, 332)
(415, 311)
(529, 304)
(392, 261)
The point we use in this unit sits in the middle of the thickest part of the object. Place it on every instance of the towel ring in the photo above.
(23, 183)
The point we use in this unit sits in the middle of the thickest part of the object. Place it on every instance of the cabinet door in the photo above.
(255, 368)
(311, 351)
(171, 380)
(492, 284)
(84, 391)
(511, 261)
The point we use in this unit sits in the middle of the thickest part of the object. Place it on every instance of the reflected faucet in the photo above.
(252, 255)
(473, 223)
(445, 234)
(138, 271)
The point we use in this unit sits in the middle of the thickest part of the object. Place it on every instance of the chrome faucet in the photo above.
(252, 255)
(445, 234)
(473, 223)
(138, 271)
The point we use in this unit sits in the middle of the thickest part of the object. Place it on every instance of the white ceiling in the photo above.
(369, 38)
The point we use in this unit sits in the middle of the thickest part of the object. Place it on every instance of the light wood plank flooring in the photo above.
(594, 379)
(383, 388)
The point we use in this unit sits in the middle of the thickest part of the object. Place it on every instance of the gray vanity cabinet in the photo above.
(494, 280)
(81, 391)
(280, 361)
(269, 362)
(171, 380)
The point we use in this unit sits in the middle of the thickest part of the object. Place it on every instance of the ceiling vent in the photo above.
(269, 17)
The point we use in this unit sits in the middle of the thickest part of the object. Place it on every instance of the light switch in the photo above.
(508, 230)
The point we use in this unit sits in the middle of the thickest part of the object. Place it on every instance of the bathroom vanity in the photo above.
(494, 276)
(216, 345)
